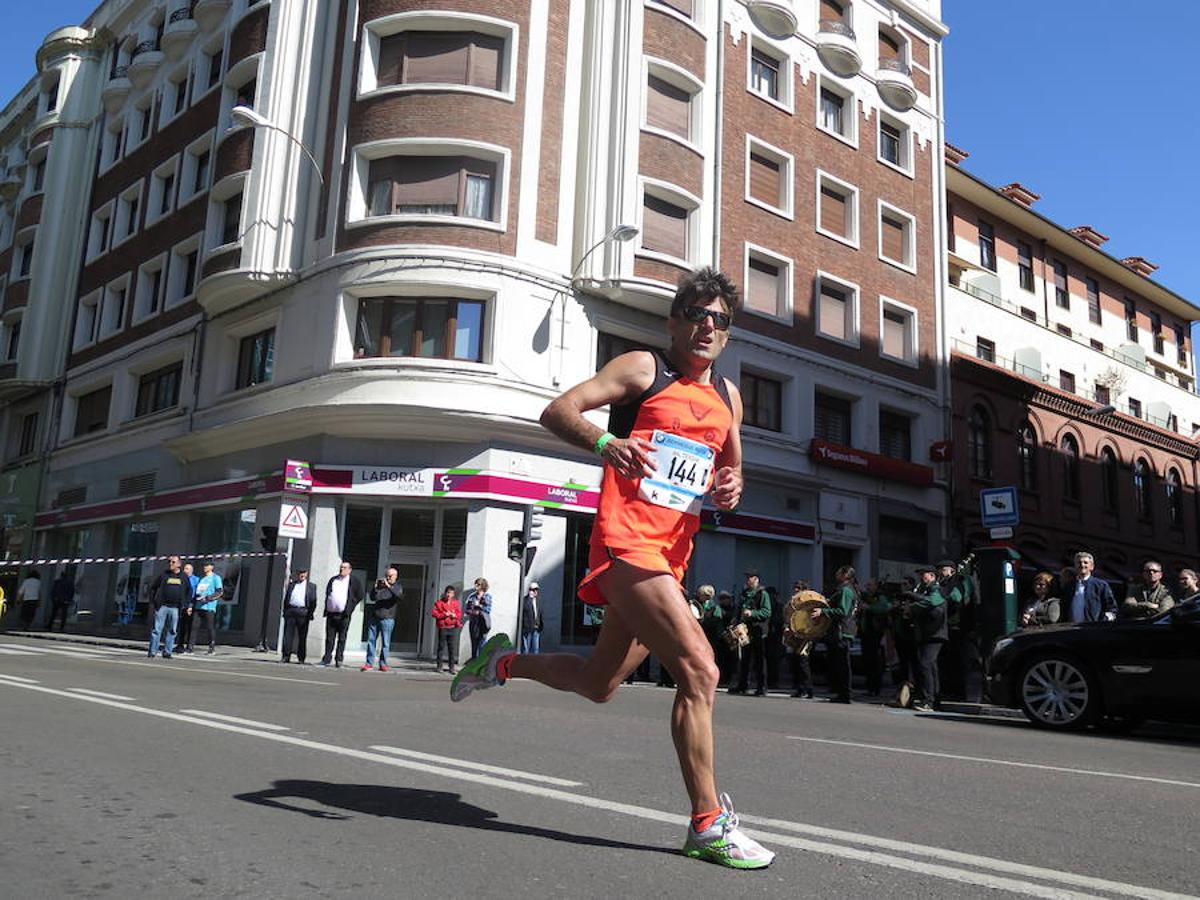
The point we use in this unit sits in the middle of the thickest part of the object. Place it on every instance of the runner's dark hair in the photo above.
(703, 285)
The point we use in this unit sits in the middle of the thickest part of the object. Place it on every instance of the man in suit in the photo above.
(531, 620)
(299, 607)
(342, 594)
(1088, 599)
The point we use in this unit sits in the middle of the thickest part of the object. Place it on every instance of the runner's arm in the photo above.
(727, 490)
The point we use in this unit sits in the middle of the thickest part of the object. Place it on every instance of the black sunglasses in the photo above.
(697, 314)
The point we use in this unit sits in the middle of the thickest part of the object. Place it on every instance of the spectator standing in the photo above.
(712, 620)
(531, 619)
(1189, 583)
(952, 665)
(209, 591)
(1088, 599)
(62, 595)
(29, 595)
(842, 604)
(299, 607)
(168, 594)
(773, 648)
(448, 614)
(187, 612)
(799, 654)
(479, 615)
(873, 615)
(1044, 608)
(343, 592)
(928, 611)
(754, 610)
(387, 595)
(1152, 598)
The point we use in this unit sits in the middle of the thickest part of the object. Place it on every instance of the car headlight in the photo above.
(1001, 645)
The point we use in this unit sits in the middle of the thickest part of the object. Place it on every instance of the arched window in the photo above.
(1070, 457)
(1109, 480)
(1142, 487)
(979, 443)
(1174, 498)
(1027, 456)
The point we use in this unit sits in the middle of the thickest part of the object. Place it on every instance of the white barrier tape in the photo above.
(84, 560)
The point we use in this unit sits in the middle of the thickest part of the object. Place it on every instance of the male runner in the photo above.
(673, 436)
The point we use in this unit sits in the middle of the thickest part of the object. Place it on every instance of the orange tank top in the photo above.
(633, 515)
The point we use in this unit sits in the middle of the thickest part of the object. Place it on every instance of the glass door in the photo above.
(412, 619)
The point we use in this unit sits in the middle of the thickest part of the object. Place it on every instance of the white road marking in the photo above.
(38, 651)
(92, 693)
(1094, 773)
(18, 678)
(965, 876)
(170, 664)
(470, 764)
(235, 720)
(13, 651)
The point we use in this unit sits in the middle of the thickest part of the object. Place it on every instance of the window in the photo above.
(665, 227)
(831, 419)
(145, 122)
(833, 111)
(25, 259)
(91, 411)
(231, 219)
(1156, 331)
(101, 229)
(768, 283)
(29, 431)
(683, 7)
(39, 175)
(979, 443)
(113, 313)
(1180, 345)
(764, 75)
(246, 94)
(1066, 380)
(949, 227)
(256, 359)
(1103, 395)
(1030, 314)
(768, 177)
(610, 346)
(176, 94)
(1174, 499)
(1064, 330)
(1025, 265)
(1096, 345)
(1062, 296)
(128, 210)
(1093, 300)
(668, 107)
(898, 332)
(441, 57)
(1108, 479)
(985, 349)
(182, 272)
(430, 328)
(110, 149)
(1135, 408)
(1070, 457)
(897, 237)
(1027, 457)
(149, 295)
(836, 112)
(1131, 326)
(761, 401)
(52, 96)
(216, 61)
(837, 310)
(87, 322)
(987, 246)
(432, 186)
(197, 165)
(158, 390)
(895, 435)
(837, 209)
(1143, 485)
(12, 342)
(162, 191)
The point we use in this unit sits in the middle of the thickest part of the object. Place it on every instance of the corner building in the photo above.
(393, 281)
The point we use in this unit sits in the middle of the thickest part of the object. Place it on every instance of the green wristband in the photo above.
(602, 442)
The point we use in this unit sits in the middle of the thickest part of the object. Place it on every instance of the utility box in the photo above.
(995, 573)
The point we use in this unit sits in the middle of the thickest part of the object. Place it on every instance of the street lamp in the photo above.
(247, 117)
(619, 233)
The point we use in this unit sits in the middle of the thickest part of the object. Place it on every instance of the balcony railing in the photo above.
(836, 26)
(180, 14)
(119, 72)
(144, 47)
(891, 64)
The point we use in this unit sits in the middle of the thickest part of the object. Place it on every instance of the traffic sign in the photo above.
(293, 519)
(998, 507)
(1002, 533)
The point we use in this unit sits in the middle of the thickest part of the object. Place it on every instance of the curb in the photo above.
(982, 709)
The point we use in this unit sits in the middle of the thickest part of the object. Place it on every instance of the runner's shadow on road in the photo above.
(342, 802)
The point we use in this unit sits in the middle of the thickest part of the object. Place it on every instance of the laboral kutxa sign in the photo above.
(453, 483)
(389, 481)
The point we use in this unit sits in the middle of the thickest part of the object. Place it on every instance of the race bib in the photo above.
(682, 470)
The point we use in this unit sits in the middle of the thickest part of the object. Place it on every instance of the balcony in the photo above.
(838, 47)
(894, 81)
(147, 59)
(209, 13)
(117, 90)
(776, 18)
(10, 183)
(181, 30)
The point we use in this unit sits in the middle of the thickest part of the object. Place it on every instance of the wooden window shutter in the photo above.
(434, 57)
(666, 227)
(893, 239)
(895, 342)
(428, 181)
(487, 55)
(833, 211)
(765, 179)
(668, 107)
(762, 293)
(833, 311)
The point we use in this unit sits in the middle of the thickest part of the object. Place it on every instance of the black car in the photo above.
(1115, 674)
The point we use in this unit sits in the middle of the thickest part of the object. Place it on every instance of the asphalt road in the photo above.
(227, 776)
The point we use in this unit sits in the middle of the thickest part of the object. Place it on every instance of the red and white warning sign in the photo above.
(293, 520)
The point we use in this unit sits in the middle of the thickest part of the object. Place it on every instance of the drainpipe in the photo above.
(718, 131)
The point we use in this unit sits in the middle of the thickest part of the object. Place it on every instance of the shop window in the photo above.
(412, 527)
(422, 327)
(578, 626)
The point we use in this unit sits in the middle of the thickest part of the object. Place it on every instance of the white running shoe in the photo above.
(726, 844)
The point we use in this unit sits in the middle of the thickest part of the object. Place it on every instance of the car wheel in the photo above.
(1058, 692)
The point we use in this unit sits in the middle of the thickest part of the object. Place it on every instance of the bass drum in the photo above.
(800, 626)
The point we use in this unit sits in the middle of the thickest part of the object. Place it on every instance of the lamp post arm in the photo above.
(295, 140)
(592, 249)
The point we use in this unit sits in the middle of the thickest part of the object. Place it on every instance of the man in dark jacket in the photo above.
(1088, 599)
(299, 607)
(62, 594)
(843, 604)
(531, 619)
(1152, 598)
(343, 592)
(754, 610)
(170, 591)
(930, 630)
(386, 595)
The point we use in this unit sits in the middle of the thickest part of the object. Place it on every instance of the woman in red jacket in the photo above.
(448, 614)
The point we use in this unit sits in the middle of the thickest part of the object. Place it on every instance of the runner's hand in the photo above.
(630, 457)
(727, 490)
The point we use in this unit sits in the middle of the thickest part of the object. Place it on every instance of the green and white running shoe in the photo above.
(480, 673)
(725, 844)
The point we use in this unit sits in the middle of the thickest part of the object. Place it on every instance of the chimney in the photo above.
(1018, 193)
(1089, 235)
(1140, 264)
(954, 154)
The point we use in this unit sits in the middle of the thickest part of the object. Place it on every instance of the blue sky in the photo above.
(1087, 102)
